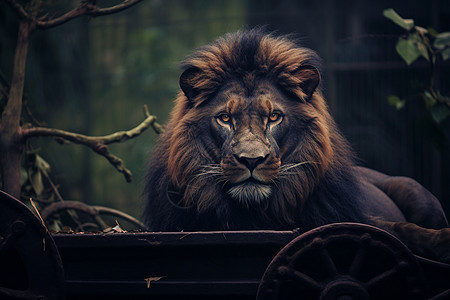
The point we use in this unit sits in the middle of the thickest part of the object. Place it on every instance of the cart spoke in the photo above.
(305, 280)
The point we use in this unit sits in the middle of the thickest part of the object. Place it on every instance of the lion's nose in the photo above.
(251, 162)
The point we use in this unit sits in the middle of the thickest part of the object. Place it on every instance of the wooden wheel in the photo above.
(343, 261)
(30, 265)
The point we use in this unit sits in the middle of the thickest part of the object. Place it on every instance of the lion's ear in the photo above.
(187, 82)
(309, 77)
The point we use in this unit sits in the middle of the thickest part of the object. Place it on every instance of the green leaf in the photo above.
(439, 112)
(432, 31)
(442, 40)
(391, 14)
(408, 50)
(23, 176)
(396, 102)
(423, 50)
(421, 30)
(429, 99)
(420, 41)
(445, 54)
(42, 165)
(36, 182)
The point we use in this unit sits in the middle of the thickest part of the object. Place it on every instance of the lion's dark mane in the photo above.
(325, 192)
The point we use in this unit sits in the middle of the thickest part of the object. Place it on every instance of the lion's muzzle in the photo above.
(250, 168)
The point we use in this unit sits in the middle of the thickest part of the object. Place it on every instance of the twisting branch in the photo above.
(93, 211)
(99, 143)
(158, 128)
(21, 12)
(116, 8)
(86, 7)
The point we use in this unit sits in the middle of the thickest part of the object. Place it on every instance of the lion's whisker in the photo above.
(210, 170)
(289, 166)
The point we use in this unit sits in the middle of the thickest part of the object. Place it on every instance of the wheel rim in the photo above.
(343, 261)
(31, 267)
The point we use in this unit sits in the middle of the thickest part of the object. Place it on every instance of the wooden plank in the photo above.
(192, 264)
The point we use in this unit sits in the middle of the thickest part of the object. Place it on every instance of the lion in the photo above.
(251, 144)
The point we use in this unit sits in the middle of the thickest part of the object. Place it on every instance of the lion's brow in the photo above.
(252, 106)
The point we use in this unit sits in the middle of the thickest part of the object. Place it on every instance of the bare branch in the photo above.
(116, 8)
(113, 212)
(158, 128)
(19, 9)
(98, 143)
(90, 210)
(85, 8)
(114, 160)
(116, 137)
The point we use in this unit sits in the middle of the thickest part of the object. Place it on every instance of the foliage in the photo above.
(34, 180)
(421, 43)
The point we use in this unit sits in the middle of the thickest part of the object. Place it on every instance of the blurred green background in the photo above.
(93, 76)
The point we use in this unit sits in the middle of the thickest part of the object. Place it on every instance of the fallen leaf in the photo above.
(150, 279)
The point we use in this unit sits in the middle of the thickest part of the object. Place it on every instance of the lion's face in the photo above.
(249, 131)
(250, 140)
(260, 138)
(249, 126)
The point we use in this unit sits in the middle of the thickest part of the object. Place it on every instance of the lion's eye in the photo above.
(225, 118)
(273, 117)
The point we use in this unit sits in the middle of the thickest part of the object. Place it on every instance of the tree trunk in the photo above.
(11, 138)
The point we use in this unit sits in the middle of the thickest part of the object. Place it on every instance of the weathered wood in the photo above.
(215, 265)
